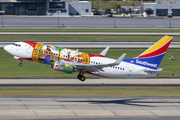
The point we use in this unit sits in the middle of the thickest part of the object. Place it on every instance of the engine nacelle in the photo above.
(63, 66)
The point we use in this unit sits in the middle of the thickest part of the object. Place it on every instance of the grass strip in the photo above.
(87, 30)
(65, 38)
(9, 67)
(91, 91)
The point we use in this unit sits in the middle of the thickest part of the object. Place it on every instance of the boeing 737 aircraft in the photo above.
(68, 61)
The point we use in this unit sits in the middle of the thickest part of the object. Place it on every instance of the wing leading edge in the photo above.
(89, 67)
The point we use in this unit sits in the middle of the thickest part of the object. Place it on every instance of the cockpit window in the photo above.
(18, 45)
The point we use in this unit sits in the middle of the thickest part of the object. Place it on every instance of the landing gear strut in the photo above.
(21, 64)
(81, 77)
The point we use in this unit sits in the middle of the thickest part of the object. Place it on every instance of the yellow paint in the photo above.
(157, 45)
(86, 58)
(82, 78)
(35, 55)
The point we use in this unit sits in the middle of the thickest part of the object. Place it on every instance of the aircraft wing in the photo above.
(93, 67)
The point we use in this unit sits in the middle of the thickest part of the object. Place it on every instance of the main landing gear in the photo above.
(21, 64)
(81, 77)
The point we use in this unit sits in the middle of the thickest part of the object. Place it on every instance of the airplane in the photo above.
(68, 61)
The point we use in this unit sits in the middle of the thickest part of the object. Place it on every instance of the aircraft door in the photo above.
(29, 50)
(130, 71)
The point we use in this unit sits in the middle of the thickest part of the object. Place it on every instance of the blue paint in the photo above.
(151, 62)
(47, 60)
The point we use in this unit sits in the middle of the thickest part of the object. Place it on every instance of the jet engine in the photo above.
(63, 66)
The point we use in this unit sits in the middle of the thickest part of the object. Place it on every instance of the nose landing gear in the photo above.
(21, 64)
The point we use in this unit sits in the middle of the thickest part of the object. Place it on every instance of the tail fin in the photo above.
(151, 58)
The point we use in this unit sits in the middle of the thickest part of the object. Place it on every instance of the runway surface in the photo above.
(91, 82)
(88, 22)
(87, 107)
(79, 45)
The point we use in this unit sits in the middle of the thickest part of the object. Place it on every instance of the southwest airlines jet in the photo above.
(68, 61)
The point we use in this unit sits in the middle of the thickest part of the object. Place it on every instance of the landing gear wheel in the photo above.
(20, 64)
(79, 76)
(82, 78)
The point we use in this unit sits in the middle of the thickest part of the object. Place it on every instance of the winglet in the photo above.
(118, 61)
(105, 51)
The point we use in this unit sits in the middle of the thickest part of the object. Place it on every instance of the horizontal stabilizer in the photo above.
(157, 71)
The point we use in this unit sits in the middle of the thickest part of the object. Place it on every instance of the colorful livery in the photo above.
(68, 61)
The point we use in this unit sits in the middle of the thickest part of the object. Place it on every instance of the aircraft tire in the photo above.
(83, 78)
(20, 64)
(79, 76)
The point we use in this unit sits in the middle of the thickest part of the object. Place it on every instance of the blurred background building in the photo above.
(45, 7)
(162, 8)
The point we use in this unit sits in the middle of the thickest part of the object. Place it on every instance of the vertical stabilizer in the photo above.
(151, 58)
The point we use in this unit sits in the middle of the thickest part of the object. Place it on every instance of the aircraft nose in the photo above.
(7, 48)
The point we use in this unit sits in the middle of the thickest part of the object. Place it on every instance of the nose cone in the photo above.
(7, 48)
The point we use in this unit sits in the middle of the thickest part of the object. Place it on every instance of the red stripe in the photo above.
(94, 74)
(31, 43)
(30, 59)
(157, 52)
(96, 55)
